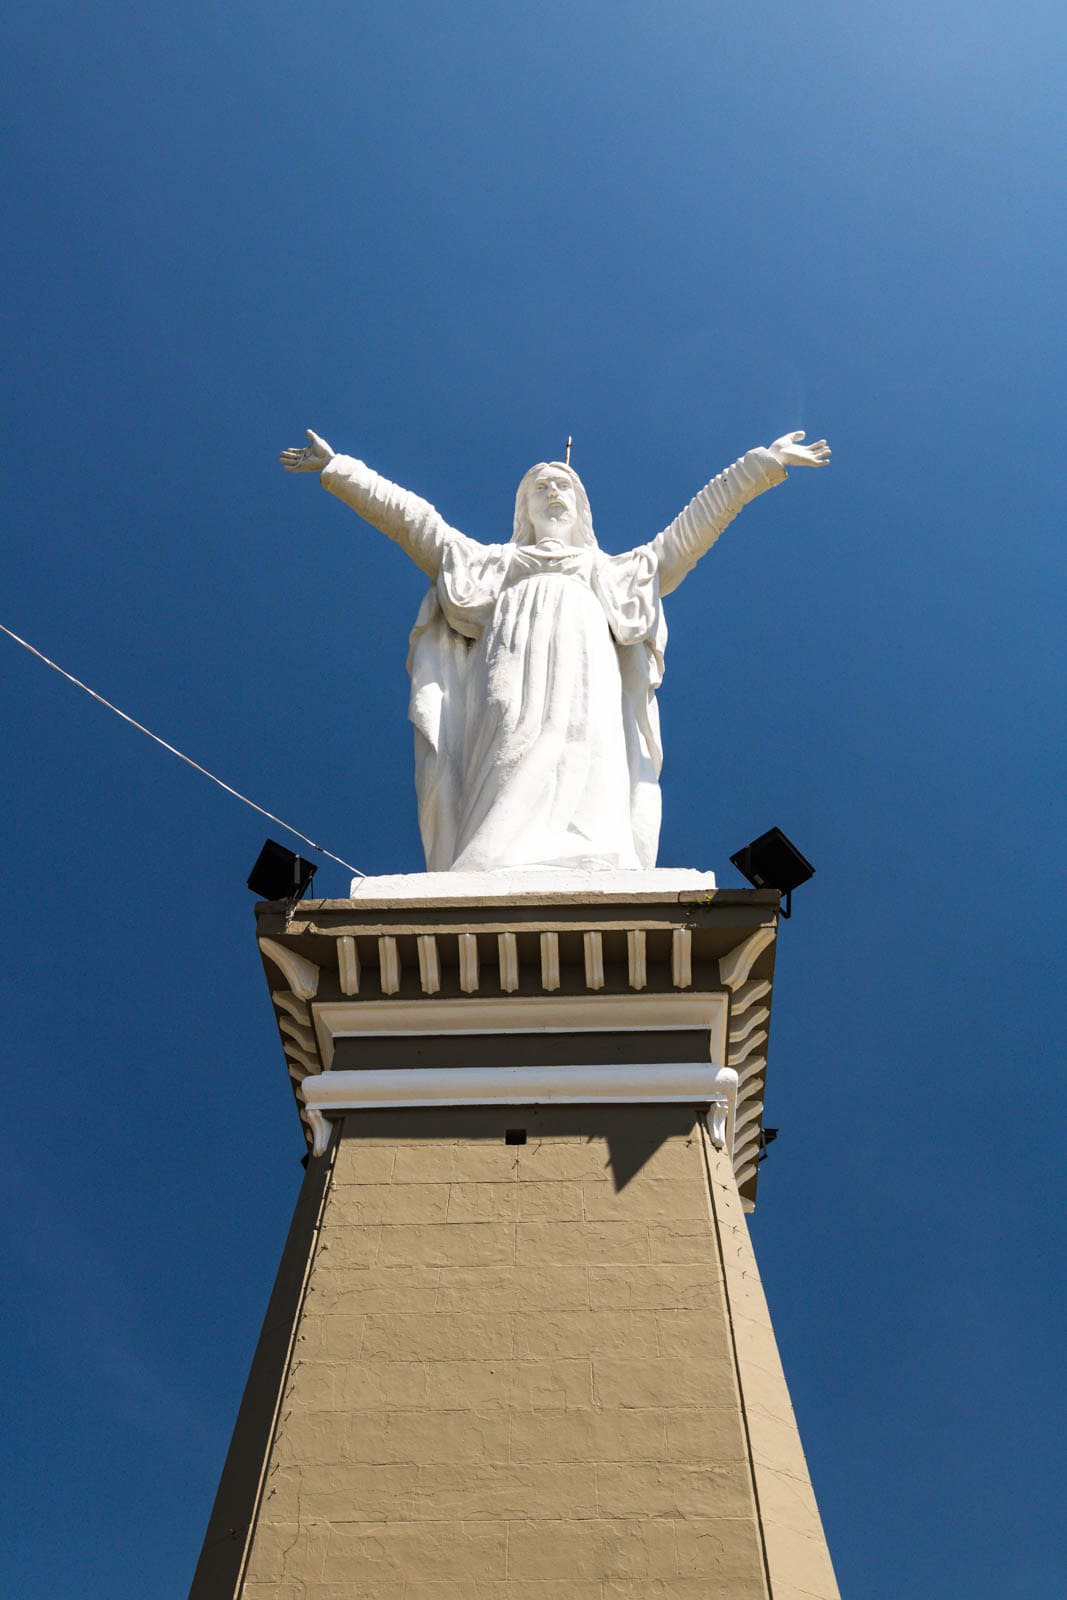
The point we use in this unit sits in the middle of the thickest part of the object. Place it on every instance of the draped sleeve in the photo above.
(628, 587)
(453, 613)
(464, 578)
(412, 523)
(680, 546)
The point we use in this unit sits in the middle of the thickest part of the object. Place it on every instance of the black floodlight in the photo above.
(772, 862)
(279, 874)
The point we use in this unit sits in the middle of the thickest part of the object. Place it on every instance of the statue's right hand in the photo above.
(315, 455)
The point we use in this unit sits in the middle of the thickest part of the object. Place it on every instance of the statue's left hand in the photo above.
(791, 453)
(315, 455)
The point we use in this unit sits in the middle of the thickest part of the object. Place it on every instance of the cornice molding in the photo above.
(363, 968)
(332, 1094)
(503, 1014)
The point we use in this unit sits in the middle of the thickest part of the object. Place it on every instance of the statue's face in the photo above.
(552, 505)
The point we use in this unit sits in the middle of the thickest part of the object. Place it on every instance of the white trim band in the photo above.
(329, 1094)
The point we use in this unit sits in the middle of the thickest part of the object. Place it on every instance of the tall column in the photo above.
(518, 1347)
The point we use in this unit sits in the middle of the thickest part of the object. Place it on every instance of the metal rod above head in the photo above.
(567, 455)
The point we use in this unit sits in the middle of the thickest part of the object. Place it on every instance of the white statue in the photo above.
(534, 665)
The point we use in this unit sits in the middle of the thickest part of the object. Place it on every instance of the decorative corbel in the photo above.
(300, 974)
(735, 967)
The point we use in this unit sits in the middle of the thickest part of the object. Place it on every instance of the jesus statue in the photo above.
(534, 664)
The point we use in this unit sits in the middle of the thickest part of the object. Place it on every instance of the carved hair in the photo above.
(524, 529)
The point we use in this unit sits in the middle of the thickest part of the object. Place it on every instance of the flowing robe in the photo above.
(534, 670)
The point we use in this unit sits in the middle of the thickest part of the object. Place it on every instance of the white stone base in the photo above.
(531, 884)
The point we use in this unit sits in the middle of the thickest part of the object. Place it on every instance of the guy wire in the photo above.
(181, 756)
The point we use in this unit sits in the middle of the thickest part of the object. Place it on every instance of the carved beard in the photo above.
(580, 535)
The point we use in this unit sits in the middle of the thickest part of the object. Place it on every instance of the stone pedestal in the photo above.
(518, 1348)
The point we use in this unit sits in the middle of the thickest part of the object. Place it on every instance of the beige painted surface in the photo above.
(494, 1392)
(515, 1375)
(798, 1561)
(222, 1555)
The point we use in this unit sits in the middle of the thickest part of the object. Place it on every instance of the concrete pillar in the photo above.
(519, 1351)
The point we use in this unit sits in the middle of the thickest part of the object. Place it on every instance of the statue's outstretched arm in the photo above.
(679, 547)
(415, 526)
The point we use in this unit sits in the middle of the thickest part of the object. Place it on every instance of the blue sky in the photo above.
(446, 237)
